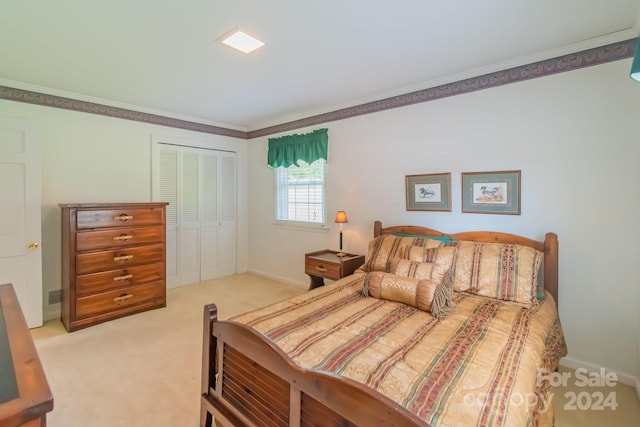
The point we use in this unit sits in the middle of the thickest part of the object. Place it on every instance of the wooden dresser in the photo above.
(113, 261)
(25, 396)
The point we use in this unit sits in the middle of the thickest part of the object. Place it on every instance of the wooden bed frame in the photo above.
(248, 381)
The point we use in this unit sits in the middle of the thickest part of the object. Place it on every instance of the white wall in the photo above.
(573, 135)
(89, 158)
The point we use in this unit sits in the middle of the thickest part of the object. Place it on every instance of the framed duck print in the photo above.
(428, 192)
(491, 192)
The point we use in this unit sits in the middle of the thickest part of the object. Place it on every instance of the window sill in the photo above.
(301, 226)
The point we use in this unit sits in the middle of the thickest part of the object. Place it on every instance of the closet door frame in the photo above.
(175, 277)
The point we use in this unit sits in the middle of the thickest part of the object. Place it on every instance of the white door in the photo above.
(227, 223)
(189, 217)
(176, 182)
(209, 228)
(20, 226)
(218, 227)
(199, 185)
(166, 189)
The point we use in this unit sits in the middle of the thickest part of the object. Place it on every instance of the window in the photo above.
(300, 193)
(299, 161)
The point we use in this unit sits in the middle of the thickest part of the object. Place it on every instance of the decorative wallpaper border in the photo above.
(561, 64)
(37, 98)
(573, 61)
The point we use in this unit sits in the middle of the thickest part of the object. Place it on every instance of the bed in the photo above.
(435, 329)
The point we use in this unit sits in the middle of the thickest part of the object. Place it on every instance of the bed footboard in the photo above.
(247, 381)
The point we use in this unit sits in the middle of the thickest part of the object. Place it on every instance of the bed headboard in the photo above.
(549, 246)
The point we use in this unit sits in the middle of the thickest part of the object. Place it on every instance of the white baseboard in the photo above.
(278, 278)
(623, 377)
(52, 311)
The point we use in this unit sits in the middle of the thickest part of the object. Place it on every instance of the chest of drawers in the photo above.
(113, 261)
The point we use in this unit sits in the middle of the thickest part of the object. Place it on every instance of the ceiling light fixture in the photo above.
(241, 40)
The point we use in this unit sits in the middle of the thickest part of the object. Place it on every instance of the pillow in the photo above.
(418, 270)
(442, 255)
(443, 239)
(382, 248)
(497, 270)
(426, 295)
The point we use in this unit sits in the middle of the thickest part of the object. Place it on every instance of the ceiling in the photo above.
(161, 56)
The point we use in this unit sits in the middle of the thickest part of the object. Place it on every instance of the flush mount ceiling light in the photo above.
(241, 40)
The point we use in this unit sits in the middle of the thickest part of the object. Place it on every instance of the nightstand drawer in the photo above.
(328, 264)
(322, 268)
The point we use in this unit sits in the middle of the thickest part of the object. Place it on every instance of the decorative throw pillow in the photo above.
(382, 248)
(426, 295)
(497, 270)
(442, 255)
(418, 270)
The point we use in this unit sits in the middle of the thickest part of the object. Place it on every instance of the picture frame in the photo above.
(491, 192)
(428, 192)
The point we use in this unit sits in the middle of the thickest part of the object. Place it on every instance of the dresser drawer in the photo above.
(93, 262)
(107, 280)
(116, 237)
(113, 300)
(125, 217)
(321, 268)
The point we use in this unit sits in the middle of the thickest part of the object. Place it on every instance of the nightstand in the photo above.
(326, 264)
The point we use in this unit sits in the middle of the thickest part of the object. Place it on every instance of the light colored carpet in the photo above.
(144, 370)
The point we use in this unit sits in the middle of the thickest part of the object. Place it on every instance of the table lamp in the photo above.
(341, 218)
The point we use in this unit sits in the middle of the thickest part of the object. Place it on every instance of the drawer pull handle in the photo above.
(123, 217)
(125, 277)
(123, 237)
(122, 298)
(322, 269)
(122, 258)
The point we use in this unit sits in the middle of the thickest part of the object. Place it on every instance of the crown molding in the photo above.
(560, 64)
(54, 101)
(564, 63)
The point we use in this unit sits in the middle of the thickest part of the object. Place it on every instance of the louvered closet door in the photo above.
(227, 222)
(209, 228)
(218, 227)
(166, 190)
(200, 186)
(189, 217)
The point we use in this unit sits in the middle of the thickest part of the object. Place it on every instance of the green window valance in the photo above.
(287, 150)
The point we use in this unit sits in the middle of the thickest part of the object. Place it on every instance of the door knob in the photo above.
(33, 246)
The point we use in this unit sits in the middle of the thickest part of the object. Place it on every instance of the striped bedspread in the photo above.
(477, 367)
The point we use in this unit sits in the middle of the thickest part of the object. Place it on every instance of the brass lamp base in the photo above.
(341, 254)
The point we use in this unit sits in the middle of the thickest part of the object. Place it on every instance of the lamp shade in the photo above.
(635, 66)
(341, 217)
